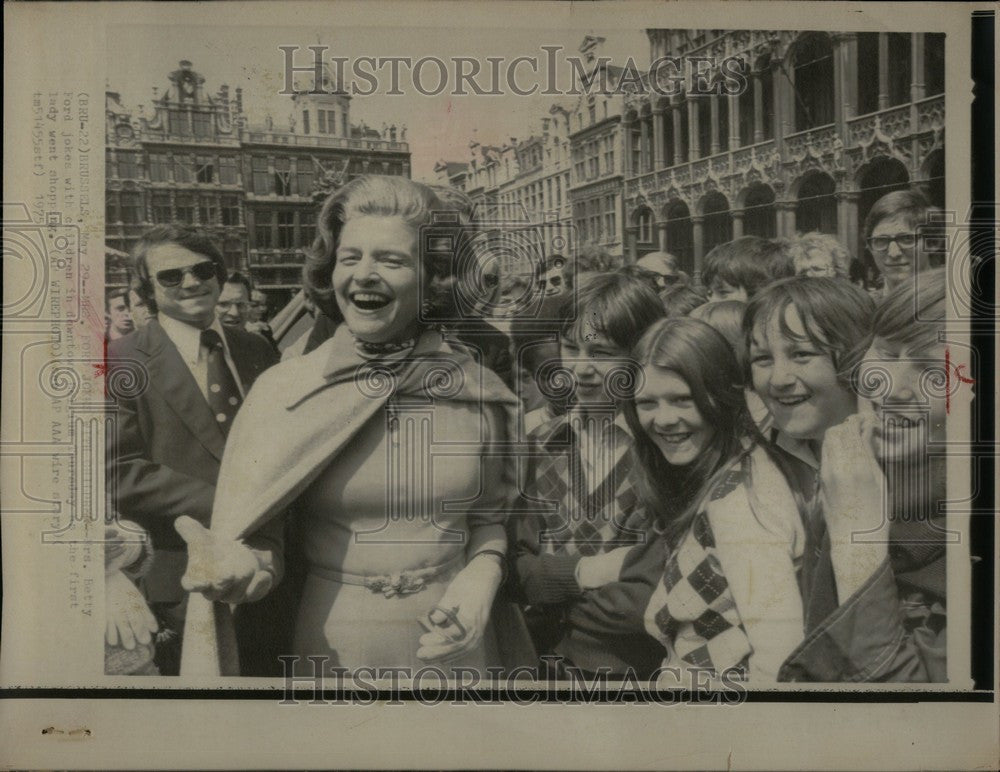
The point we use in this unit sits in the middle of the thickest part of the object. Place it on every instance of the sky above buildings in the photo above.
(438, 126)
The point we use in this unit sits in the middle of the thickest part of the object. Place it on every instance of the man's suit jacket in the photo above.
(165, 449)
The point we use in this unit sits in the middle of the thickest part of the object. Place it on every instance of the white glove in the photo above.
(461, 616)
(221, 569)
(128, 618)
(852, 490)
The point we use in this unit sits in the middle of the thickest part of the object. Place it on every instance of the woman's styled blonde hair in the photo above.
(377, 196)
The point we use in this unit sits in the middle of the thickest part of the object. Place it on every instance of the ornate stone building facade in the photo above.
(568, 174)
(254, 190)
(597, 141)
(827, 123)
(524, 182)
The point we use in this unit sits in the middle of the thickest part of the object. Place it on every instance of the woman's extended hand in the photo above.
(469, 598)
(221, 569)
(128, 618)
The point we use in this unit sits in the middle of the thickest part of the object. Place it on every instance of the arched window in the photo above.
(899, 68)
(668, 138)
(763, 68)
(817, 208)
(813, 81)
(881, 176)
(723, 139)
(680, 235)
(867, 72)
(685, 138)
(718, 222)
(704, 125)
(636, 140)
(759, 217)
(647, 150)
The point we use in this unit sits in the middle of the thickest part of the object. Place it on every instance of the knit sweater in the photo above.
(571, 515)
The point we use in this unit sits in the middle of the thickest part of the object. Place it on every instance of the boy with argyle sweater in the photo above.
(586, 515)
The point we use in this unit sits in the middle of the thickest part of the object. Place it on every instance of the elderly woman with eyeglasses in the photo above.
(891, 235)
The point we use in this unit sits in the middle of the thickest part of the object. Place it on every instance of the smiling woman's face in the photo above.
(376, 278)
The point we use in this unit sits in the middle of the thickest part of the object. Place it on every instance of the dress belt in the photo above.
(390, 585)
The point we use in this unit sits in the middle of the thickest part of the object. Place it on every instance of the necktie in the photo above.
(223, 393)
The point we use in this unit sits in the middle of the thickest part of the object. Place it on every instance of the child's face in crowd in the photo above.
(908, 410)
(668, 414)
(815, 263)
(591, 357)
(721, 290)
(797, 381)
(529, 372)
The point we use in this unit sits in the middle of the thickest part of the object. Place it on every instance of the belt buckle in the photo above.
(395, 584)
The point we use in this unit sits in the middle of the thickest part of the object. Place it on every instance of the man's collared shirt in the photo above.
(187, 339)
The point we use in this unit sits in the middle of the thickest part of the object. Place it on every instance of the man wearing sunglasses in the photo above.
(190, 375)
(556, 279)
(663, 265)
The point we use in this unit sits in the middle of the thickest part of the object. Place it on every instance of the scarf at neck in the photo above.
(390, 350)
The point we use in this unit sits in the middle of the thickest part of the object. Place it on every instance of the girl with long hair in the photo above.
(741, 530)
(727, 600)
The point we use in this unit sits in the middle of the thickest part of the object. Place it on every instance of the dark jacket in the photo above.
(892, 629)
(164, 449)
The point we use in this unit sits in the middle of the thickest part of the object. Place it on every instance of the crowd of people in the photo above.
(635, 472)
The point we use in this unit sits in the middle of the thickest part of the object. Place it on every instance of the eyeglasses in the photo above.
(172, 277)
(902, 240)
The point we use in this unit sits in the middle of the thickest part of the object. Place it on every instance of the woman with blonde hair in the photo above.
(398, 551)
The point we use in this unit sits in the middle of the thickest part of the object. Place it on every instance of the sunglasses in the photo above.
(172, 277)
(903, 240)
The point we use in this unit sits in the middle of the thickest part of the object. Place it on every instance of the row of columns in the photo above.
(653, 138)
(653, 146)
(785, 227)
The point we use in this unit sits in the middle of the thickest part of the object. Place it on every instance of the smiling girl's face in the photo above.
(668, 414)
(797, 381)
(908, 415)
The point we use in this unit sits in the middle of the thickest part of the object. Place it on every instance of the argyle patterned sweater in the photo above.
(581, 505)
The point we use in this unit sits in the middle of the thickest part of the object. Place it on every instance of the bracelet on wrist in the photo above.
(501, 557)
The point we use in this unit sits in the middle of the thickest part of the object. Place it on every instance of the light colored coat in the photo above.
(295, 421)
